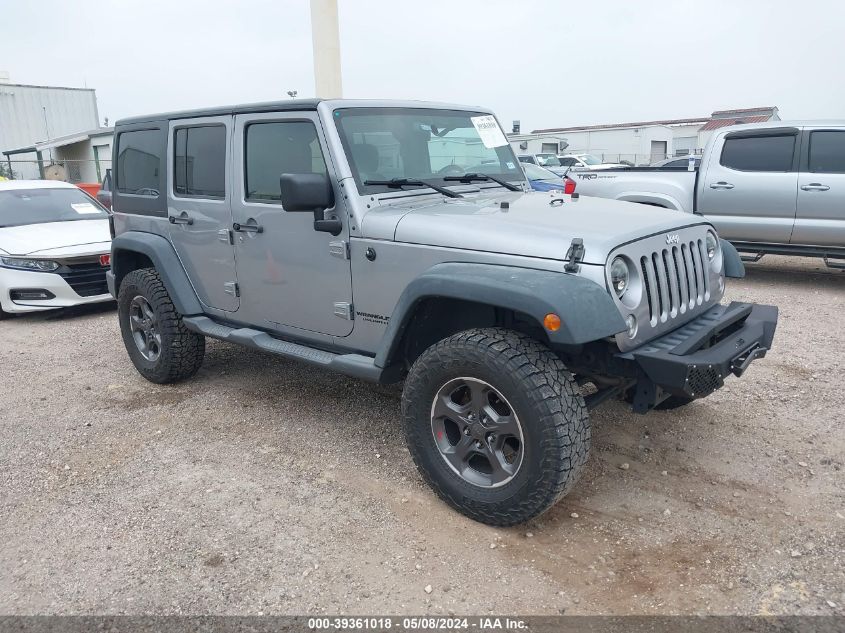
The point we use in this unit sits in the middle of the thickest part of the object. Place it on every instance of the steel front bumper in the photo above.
(694, 360)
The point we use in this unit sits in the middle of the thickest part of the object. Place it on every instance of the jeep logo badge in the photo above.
(673, 239)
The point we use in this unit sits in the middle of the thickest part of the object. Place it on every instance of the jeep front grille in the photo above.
(675, 280)
(671, 282)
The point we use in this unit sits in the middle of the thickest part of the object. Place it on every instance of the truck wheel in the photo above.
(495, 424)
(162, 349)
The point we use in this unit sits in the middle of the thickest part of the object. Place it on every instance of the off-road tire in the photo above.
(181, 352)
(543, 395)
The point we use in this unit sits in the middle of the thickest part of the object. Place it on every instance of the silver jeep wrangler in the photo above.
(399, 241)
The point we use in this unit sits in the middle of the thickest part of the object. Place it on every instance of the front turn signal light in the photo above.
(552, 322)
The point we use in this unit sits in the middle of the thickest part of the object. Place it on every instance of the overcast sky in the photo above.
(547, 62)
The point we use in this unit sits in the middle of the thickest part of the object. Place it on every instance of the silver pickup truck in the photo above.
(776, 187)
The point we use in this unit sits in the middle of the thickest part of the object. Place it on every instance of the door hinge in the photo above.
(339, 248)
(225, 236)
(344, 310)
(232, 288)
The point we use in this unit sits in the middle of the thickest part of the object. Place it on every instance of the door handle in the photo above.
(815, 186)
(721, 185)
(252, 227)
(181, 219)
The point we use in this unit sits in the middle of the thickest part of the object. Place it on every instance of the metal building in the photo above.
(35, 114)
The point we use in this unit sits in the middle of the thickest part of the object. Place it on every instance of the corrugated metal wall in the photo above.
(23, 108)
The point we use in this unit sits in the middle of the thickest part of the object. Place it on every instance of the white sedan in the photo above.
(54, 247)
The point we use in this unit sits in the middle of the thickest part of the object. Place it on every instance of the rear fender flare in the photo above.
(166, 262)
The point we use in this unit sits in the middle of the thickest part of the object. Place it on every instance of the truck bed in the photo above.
(665, 187)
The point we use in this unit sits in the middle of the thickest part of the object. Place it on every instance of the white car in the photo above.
(55, 247)
(586, 161)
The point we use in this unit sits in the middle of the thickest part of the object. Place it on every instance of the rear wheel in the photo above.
(162, 349)
(496, 425)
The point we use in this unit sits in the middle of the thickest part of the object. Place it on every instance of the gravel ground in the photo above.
(264, 486)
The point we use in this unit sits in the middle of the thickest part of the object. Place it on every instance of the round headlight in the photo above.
(712, 245)
(620, 275)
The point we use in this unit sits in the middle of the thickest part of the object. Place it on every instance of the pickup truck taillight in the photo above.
(569, 185)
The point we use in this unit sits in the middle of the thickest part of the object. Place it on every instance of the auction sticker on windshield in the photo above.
(489, 131)
(84, 207)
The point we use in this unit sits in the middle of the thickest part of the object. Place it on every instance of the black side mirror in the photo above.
(310, 192)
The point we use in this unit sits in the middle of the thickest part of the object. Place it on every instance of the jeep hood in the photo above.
(529, 224)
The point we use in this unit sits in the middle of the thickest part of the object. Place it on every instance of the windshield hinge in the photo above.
(339, 249)
(344, 310)
(574, 255)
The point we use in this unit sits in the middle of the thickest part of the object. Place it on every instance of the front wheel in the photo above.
(495, 424)
(162, 349)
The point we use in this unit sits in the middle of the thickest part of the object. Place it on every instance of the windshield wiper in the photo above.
(468, 178)
(398, 183)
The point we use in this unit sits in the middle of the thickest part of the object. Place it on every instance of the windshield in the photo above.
(548, 160)
(422, 144)
(37, 206)
(589, 159)
(533, 172)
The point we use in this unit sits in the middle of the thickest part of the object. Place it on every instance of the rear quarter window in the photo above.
(139, 163)
(139, 177)
(759, 153)
(827, 152)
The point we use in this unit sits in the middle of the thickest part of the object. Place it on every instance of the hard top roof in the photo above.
(293, 105)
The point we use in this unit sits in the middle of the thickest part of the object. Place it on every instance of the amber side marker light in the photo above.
(551, 322)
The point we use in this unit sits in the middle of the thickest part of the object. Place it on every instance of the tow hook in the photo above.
(741, 362)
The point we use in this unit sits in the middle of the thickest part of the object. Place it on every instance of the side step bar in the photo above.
(355, 365)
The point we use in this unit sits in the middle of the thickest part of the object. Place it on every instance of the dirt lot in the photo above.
(263, 486)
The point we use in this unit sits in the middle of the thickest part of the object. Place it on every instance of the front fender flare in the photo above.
(733, 262)
(166, 262)
(586, 310)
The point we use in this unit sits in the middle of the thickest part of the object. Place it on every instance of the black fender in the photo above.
(734, 267)
(166, 262)
(586, 310)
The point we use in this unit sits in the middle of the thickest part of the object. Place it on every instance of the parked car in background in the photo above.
(542, 179)
(677, 162)
(54, 247)
(543, 160)
(586, 161)
(775, 187)
(546, 161)
(104, 194)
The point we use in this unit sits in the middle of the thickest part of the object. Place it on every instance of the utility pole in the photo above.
(325, 39)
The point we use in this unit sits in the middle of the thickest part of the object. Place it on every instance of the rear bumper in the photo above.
(694, 360)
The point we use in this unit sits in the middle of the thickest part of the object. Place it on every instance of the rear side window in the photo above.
(759, 153)
(199, 161)
(276, 148)
(138, 163)
(827, 152)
